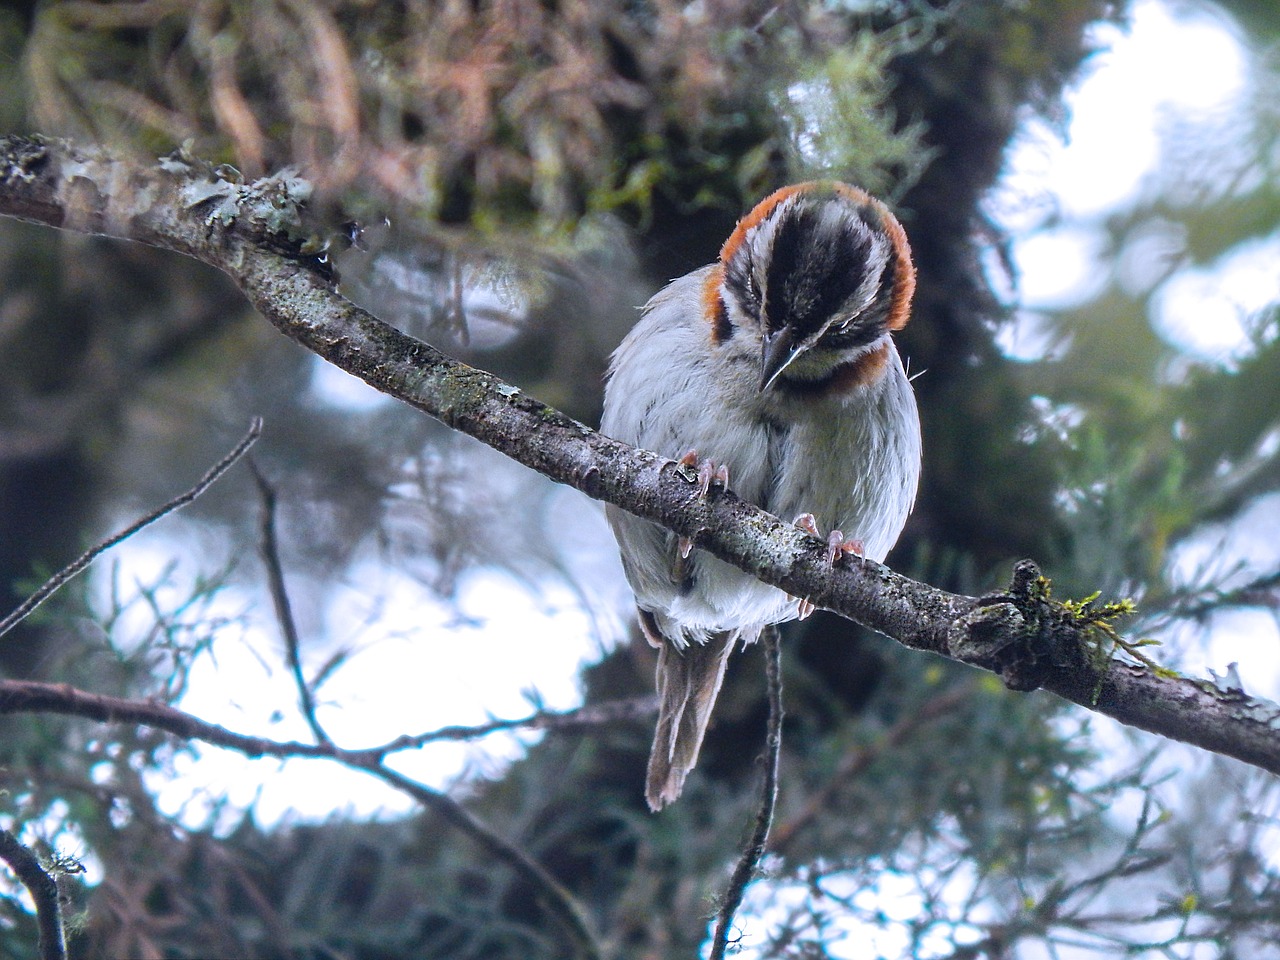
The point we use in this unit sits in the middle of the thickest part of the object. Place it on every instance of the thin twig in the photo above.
(24, 695)
(563, 908)
(59, 579)
(559, 902)
(860, 759)
(44, 891)
(753, 852)
(589, 715)
(30, 696)
(1261, 591)
(269, 548)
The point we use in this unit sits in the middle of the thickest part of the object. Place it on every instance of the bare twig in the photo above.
(1262, 591)
(21, 695)
(859, 760)
(590, 715)
(555, 899)
(269, 547)
(67, 573)
(44, 891)
(752, 853)
(30, 696)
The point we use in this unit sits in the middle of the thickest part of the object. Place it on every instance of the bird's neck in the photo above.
(835, 372)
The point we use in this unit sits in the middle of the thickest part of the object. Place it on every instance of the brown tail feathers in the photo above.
(688, 682)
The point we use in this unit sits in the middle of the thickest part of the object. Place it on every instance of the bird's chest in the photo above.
(815, 473)
(800, 464)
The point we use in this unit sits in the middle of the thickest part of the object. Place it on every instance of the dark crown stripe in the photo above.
(757, 214)
(817, 265)
(814, 293)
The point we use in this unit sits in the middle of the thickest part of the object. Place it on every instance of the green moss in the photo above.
(1096, 623)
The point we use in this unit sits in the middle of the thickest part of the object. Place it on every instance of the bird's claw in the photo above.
(708, 472)
(808, 524)
(838, 546)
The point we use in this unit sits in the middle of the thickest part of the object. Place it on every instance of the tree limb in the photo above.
(252, 232)
(44, 892)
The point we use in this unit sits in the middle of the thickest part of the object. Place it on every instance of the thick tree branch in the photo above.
(251, 231)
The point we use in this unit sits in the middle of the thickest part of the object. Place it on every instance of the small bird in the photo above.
(777, 362)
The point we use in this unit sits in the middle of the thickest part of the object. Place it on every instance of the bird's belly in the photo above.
(722, 597)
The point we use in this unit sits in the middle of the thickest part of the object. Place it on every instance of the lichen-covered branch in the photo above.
(252, 232)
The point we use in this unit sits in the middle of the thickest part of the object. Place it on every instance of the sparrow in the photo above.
(777, 362)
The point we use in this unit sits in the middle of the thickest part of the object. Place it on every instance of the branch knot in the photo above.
(1020, 633)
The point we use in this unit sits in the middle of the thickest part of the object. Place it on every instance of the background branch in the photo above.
(67, 573)
(857, 761)
(18, 696)
(269, 547)
(30, 696)
(557, 901)
(44, 891)
(745, 869)
(252, 232)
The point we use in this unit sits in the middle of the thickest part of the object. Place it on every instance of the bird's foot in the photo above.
(709, 472)
(837, 546)
(807, 523)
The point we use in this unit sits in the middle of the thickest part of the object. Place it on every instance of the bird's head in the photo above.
(815, 278)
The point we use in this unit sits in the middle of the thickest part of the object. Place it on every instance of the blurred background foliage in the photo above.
(524, 173)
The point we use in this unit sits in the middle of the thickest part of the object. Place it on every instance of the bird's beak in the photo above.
(780, 348)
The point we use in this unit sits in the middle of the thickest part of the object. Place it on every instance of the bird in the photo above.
(777, 363)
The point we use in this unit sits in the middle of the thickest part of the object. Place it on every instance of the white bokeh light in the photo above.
(1176, 65)
(1061, 268)
(1209, 312)
(334, 387)
(1189, 63)
(416, 665)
